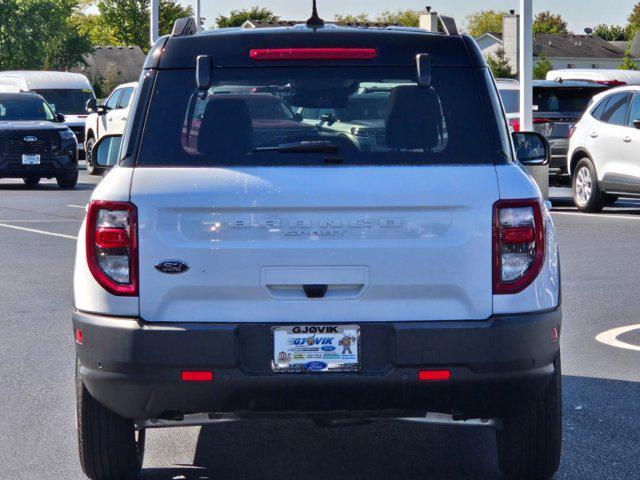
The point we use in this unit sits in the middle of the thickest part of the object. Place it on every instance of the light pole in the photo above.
(153, 20)
(198, 16)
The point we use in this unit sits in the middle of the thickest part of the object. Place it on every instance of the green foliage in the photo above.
(237, 17)
(37, 34)
(353, 18)
(129, 19)
(499, 64)
(633, 25)
(541, 67)
(405, 18)
(547, 22)
(487, 21)
(611, 33)
(628, 63)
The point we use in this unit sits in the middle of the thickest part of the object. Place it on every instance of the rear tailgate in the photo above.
(390, 243)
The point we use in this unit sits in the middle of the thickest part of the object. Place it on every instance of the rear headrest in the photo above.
(414, 118)
(226, 130)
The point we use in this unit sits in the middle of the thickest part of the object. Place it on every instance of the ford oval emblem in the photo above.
(172, 267)
(30, 138)
(327, 348)
(315, 366)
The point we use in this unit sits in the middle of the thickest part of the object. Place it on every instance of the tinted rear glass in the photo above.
(345, 115)
(23, 106)
(511, 100)
(563, 99)
(69, 101)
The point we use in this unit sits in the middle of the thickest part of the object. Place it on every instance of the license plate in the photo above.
(316, 348)
(30, 159)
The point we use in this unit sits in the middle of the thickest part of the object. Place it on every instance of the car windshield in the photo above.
(67, 101)
(23, 106)
(300, 115)
(511, 100)
(563, 99)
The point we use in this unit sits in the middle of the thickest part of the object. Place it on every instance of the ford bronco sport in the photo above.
(219, 277)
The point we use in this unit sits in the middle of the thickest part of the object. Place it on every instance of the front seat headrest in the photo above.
(414, 118)
(226, 130)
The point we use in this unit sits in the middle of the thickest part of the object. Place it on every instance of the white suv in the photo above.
(108, 118)
(223, 277)
(604, 150)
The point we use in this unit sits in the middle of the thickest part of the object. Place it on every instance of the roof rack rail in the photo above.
(184, 27)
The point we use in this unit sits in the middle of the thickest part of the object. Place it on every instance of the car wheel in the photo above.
(31, 180)
(586, 191)
(530, 442)
(68, 180)
(109, 446)
(91, 169)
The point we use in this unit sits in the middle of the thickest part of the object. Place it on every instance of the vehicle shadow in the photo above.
(601, 429)
(48, 186)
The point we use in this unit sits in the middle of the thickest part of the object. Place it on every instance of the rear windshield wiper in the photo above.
(321, 146)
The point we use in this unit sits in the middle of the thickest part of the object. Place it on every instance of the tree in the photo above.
(487, 21)
(351, 18)
(130, 19)
(541, 67)
(611, 33)
(628, 63)
(405, 18)
(633, 25)
(499, 64)
(237, 17)
(547, 22)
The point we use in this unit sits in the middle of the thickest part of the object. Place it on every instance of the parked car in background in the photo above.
(557, 107)
(34, 142)
(604, 152)
(607, 77)
(509, 90)
(110, 117)
(67, 93)
(238, 263)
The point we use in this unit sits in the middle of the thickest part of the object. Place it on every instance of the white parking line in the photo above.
(597, 215)
(41, 232)
(610, 337)
(83, 207)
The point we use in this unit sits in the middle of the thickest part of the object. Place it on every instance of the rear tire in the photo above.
(31, 180)
(91, 169)
(69, 179)
(108, 444)
(586, 190)
(530, 442)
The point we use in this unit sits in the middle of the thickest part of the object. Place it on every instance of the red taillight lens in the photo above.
(542, 120)
(197, 376)
(572, 130)
(611, 83)
(434, 375)
(111, 246)
(515, 124)
(79, 336)
(518, 244)
(314, 54)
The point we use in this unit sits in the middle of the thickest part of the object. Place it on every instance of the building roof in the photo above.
(124, 62)
(574, 46)
(497, 36)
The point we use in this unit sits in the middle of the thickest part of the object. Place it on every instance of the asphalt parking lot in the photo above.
(601, 382)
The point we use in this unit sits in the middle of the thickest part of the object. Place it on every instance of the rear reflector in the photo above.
(197, 376)
(111, 238)
(434, 375)
(314, 54)
(79, 336)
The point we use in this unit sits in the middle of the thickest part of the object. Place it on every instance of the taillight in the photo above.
(112, 247)
(572, 130)
(611, 83)
(518, 244)
(515, 124)
(542, 120)
(314, 54)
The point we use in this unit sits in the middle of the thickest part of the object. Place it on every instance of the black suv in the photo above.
(34, 144)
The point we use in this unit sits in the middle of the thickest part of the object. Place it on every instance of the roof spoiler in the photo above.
(449, 25)
(184, 27)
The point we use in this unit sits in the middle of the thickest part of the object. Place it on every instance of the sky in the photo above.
(578, 13)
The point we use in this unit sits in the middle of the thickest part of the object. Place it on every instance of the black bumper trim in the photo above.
(134, 368)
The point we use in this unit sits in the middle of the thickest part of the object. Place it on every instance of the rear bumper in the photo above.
(49, 167)
(496, 365)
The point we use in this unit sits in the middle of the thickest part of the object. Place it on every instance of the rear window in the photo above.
(563, 99)
(23, 106)
(298, 116)
(511, 100)
(69, 101)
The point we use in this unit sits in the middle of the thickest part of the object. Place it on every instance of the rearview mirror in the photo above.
(531, 148)
(91, 105)
(636, 124)
(423, 61)
(106, 152)
(60, 118)
(204, 64)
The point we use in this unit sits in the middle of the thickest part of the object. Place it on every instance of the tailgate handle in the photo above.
(315, 291)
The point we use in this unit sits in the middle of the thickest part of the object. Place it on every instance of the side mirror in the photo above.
(204, 65)
(91, 105)
(423, 61)
(60, 118)
(636, 124)
(106, 151)
(532, 148)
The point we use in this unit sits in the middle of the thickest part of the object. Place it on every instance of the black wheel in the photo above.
(530, 442)
(586, 191)
(91, 169)
(609, 199)
(110, 448)
(31, 180)
(69, 179)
